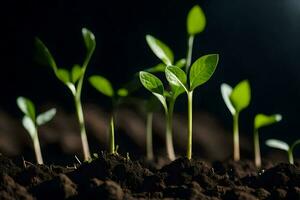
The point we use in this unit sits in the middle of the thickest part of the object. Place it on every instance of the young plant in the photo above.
(104, 86)
(31, 122)
(278, 144)
(236, 100)
(262, 120)
(73, 79)
(167, 99)
(199, 73)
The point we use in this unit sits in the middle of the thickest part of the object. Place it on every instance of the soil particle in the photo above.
(109, 190)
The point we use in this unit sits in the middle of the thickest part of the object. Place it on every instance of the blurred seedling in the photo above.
(31, 122)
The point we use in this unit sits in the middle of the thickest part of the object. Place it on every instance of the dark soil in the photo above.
(116, 177)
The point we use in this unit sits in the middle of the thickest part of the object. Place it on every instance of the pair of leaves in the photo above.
(238, 98)
(104, 86)
(196, 20)
(262, 120)
(30, 121)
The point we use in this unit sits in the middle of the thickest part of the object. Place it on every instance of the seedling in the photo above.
(262, 120)
(236, 100)
(73, 79)
(31, 122)
(278, 144)
(104, 86)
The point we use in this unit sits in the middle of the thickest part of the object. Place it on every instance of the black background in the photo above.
(257, 40)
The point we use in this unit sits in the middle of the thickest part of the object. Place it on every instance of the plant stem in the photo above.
(236, 141)
(189, 53)
(85, 146)
(37, 149)
(149, 145)
(112, 148)
(257, 155)
(290, 155)
(190, 125)
(169, 132)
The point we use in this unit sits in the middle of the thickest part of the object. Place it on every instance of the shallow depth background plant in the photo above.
(236, 100)
(262, 120)
(31, 122)
(278, 144)
(73, 79)
(104, 86)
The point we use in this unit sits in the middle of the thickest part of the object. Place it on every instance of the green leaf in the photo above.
(160, 49)
(180, 63)
(26, 106)
(241, 96)
(278, 144)
(265, 120)
(29, 125)
(63, 75)
(44, 55)
(176, 76)
(202, 69)
(89, 40)
(45, 117)
(196, 20)
(122, 92)
(76, 73)
(157, 68)
(102, 85)
(226, 91)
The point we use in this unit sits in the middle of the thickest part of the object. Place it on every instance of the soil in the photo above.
(117, 177)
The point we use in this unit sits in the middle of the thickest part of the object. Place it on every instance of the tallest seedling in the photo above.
(73, 79)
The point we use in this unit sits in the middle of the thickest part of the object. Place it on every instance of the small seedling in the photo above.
(236, 100)
(104, 86)
(31, 122)
(278, 144)
(262, 120)
(73, 79)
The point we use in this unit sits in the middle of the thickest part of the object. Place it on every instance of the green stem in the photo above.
(85, 146)
(236, 141)
(112, 149)
(190, 124)
(149, 145)
(37, 149)
(189, 53)
(290, 155)
(257, 155)
(169, 130)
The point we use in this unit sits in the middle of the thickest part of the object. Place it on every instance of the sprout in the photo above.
(104, 86)
(278, 144)
(31, 122)
(262, 120)
(73, 79)
(236, 100)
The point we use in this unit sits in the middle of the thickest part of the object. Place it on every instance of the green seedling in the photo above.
(278, 144)
(236, 100)
(200, 72)
(262, 120)
(31, 122)
(73, 79)
(104, 86)
(167, 99)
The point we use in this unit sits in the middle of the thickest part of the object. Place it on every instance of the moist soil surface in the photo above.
(117, 177)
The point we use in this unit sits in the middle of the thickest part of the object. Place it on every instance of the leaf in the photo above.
(26, 106)
(226, 91)
(202, 69)
(76, 73)
(160, 49)
(176, 76)
(278, 144)
(29, 125)
(265, 120)
(180, 63)
(102, 85)
(89, 40)
(157, 68)
(122, 92)
(63, 75)
(44, 55)
(241, 96)
(45, 117)
(196, 20)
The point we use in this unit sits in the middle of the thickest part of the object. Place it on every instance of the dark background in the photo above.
(257, 40)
